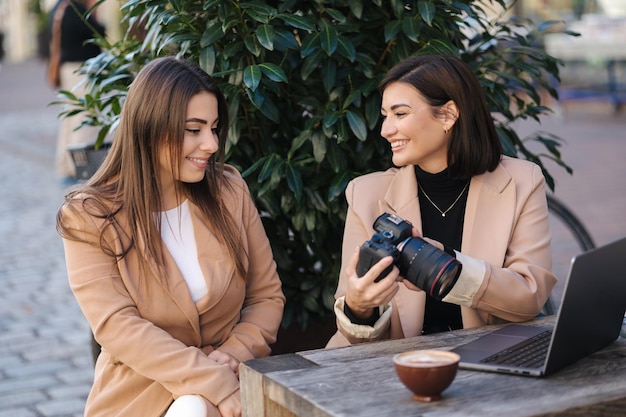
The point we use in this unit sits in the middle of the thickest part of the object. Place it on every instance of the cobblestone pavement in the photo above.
(45, 363)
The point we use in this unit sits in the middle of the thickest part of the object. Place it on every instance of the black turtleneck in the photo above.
(448, 229)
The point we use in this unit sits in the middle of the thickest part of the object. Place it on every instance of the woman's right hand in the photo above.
(231, 405)
(362, 293)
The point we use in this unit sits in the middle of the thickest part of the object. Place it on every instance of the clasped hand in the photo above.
(231, 405)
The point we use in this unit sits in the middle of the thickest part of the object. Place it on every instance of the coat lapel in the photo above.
(215, 263)
(401, 199)
(489, 212)
(173, 287)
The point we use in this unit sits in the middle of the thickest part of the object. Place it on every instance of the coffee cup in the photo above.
(427, 373)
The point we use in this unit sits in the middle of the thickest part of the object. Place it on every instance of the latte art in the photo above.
(426, 359)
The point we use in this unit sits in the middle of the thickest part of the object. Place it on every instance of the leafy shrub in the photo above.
(301, 78)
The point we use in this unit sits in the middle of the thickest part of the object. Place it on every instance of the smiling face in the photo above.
(415, 130)
(200, 141)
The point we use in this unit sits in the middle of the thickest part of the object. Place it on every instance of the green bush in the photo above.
(301, 78)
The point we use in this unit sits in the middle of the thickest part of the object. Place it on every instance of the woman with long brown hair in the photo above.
(167, 256)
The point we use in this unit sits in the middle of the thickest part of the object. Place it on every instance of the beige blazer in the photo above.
(155, 341)
(505, 229)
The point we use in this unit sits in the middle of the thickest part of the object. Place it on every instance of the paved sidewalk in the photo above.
(45, 366)
(45, 363)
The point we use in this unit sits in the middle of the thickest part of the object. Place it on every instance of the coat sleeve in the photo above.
(358, 229)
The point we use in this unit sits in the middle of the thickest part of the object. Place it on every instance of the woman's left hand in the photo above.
(225, 359)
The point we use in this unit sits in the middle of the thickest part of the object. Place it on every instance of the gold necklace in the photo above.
(443, 213)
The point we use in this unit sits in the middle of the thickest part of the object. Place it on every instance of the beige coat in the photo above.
(155, 342)
(506, 230)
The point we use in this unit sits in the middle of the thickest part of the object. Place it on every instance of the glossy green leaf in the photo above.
(229, 23)
(357, 124)
(297, 143)
(310, 44)
(284, 40)
(334, 155)
(287, 202)
(319, 146)
(337, 16)
(372, 110)
(329, 74)
(346, 48)
(411, 28)
(294, 180)
(311, 63)
(251, 45)
(252, 76)
(328, 37)
(255, 166)
(338, 185)
(356, 7)
(212, 34)
(443, 47)
(273, 72)
(258, 9)
(311, 224)
(299, 22)
(265, 35)
(397, 7)
(256, 97)
(206, 60)
(392, 29)
(269, 110)
(427, 11)
(331, 117)
(342, 135)
(316, 201)
(268, 167)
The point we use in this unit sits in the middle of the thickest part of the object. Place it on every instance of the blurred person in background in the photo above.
(72, 25)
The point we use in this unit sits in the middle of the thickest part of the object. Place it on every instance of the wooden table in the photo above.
(361, 381)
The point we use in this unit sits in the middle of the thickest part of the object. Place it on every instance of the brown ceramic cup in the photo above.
(427, 373)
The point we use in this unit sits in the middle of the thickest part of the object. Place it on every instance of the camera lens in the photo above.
(428, 267)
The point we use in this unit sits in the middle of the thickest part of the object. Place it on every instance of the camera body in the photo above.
(390, 231)
(423, 264)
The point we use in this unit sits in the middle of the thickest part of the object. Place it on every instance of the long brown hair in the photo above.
(153, 117)
(474, 146)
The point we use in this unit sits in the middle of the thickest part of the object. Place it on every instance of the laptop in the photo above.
(590, 317)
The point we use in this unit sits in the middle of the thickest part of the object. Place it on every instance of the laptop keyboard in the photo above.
(530, 353)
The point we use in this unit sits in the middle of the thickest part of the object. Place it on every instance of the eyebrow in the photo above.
(395, 106)
(196, 120)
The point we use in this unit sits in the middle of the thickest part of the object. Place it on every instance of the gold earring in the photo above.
(445, 130)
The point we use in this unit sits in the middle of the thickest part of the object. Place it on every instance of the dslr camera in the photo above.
(423, 264)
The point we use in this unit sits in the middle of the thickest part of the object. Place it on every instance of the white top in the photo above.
(177, 233)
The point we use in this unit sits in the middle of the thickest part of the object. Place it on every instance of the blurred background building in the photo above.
(23, 22)
(23, 26)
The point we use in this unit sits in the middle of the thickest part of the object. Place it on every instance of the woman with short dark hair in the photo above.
(481, 211)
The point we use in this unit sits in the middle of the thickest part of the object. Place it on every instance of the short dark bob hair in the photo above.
(474, 146)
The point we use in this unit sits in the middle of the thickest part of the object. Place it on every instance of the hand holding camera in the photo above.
(423, 264)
